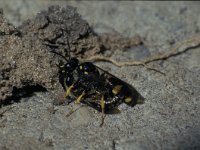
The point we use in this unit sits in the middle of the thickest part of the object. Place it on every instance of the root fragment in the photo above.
(178, 49)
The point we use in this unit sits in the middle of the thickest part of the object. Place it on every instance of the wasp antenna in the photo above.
(59, 55)
(68, 52)
(58, 66)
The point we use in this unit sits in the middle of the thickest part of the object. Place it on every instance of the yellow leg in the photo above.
(103, 111)
(102, 104)
(68, 90)
(78, 100)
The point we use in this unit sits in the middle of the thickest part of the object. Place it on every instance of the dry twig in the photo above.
(179, 48)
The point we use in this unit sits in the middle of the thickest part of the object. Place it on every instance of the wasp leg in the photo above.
(102, 111)
(68, 91)
(86, 90)
(72, 110)
(78, 100)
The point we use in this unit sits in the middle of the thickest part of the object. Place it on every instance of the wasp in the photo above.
(89, 84)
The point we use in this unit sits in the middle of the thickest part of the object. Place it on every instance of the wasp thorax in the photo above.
(87, 68)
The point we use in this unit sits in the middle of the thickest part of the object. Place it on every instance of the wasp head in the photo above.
(71, 65)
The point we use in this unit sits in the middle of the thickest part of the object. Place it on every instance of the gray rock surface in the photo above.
(170, 117)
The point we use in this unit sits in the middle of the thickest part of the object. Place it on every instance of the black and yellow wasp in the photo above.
(89, 84)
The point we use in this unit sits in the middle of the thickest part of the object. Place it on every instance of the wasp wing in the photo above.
(127, 91)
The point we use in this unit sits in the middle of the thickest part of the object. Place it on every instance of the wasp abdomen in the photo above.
(125, 92)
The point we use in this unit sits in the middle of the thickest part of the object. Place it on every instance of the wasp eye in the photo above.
(68, 67)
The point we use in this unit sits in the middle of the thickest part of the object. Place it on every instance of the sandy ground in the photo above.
(170, 117)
